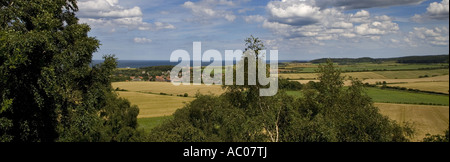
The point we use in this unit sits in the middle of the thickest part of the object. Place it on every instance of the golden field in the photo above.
(425, 119)
(441, 87)
(168, 88)
(151, 105)
(146, 95)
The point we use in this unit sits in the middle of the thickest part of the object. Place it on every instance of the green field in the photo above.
(397, 96)
(311, 68)
(147, 124)
(403, 97)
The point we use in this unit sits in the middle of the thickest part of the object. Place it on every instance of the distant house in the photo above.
(136, 79)
(160, 79)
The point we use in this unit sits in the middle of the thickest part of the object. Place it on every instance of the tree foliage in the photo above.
(437, 138)
(48, 90)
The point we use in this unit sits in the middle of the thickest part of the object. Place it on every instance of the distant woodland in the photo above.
(407, 59)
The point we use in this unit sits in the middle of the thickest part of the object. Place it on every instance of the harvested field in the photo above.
(425, 119)
(151, 105)
(168, 88)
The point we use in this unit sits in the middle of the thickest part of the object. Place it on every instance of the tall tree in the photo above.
(49, 91)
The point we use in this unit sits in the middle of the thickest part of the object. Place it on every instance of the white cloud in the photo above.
(294, 12)
(254, 18)
(142, 40)
(132, 23)
(302, 20)
(110, 15)
(436, 11)
(106, 8)
(361, 4)
(377, 28)
(209, 9)
(342, 25)
(244, 10)
(394, 40)
(360, 17)
(436, 36)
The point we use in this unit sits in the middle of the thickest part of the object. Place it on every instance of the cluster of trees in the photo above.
(147, 73)
(424, 59)
(384, 85)
(345, 61)
(285, 84)
(327, 112)
(407, 59)
(437, 138)
(48, 91)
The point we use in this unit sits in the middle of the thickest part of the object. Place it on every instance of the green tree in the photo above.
(437, 138)
(49, 91)
(345, 114)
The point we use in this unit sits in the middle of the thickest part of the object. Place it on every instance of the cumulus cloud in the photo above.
(142, 40)
(293, 12)
(436, 11)
(106, 8)
(362, 4)
(209, 9)
(438, 36)
(254, 18)
(294, 19)
(109, 14)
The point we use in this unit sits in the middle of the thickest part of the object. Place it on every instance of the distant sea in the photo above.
(148, 63)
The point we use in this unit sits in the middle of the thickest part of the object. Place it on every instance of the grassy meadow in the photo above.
(397, 96)
(404, 97)
(147, 124)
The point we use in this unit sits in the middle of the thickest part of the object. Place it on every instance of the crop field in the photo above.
(151, 105)
(168, 88)
(442, 87)
(411, 74)
(299, 76)
(388, 66)
(404, 97)
(444, 78)
(396, 96)
(425, 119)
(416, 74)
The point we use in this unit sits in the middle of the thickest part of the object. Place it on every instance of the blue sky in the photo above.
(299, 29)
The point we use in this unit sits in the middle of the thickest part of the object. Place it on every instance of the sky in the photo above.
(298, 29)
